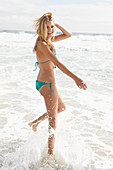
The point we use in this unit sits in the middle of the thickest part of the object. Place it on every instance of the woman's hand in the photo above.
(66, 33)
(80, 84)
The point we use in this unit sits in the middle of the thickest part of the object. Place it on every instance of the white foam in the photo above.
(69, 153)
(84, 126)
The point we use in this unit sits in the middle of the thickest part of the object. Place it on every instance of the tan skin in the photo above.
(54, 104)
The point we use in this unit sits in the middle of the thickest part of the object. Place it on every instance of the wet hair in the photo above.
(41, 30)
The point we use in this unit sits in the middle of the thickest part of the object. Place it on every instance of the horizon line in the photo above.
(73, 33)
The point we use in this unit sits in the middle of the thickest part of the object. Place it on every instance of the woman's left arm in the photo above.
(66, 34)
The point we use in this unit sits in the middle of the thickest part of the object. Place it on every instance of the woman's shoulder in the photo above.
(41, 45)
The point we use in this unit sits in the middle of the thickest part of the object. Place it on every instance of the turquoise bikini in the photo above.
(37, 64)
(40, 84)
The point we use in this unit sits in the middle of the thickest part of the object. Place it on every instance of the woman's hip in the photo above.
(45, 87)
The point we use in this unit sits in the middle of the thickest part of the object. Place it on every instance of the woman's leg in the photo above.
(37, 121)
(51, 103)
(61, 107)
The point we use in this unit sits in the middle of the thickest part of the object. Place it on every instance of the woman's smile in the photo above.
(49, 33)
(50, 28)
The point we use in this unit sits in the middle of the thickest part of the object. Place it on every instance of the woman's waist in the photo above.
(45, 80)
(46, 77)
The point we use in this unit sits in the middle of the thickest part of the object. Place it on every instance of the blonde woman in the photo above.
(45, 83)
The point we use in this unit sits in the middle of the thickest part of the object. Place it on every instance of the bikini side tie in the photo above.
(51, 91)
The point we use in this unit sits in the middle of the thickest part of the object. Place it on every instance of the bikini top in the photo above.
(37, 63)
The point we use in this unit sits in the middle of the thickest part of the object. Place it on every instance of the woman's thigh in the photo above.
(51, 101)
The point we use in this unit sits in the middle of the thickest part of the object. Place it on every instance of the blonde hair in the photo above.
(41, 30)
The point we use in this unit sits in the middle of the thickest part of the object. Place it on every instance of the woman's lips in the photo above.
(49, 33)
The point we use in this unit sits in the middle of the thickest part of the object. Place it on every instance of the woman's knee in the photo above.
(62, 107)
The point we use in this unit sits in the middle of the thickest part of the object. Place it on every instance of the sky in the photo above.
(85, 16)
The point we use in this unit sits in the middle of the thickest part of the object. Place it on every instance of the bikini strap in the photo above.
(44, 62)
(51, 91)
(37, 64)
(54, 53)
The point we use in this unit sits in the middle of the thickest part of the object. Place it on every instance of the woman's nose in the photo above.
(49, 29)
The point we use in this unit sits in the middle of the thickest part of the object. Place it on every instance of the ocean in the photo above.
(84, 134)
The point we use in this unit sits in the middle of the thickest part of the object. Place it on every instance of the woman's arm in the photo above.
(47, 52)
(66, 34)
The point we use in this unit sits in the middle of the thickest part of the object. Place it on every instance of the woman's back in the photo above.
(46, 66)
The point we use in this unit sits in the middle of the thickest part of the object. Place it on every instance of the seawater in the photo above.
(84, 134)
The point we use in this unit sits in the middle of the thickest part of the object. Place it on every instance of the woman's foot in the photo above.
(34, 126)
(30, 124)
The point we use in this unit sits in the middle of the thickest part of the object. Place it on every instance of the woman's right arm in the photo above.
(65, 34)
(77, 80)
(47, 52)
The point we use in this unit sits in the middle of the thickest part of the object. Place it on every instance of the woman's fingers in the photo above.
(82, 85)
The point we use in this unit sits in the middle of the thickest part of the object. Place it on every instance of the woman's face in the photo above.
(50, 29)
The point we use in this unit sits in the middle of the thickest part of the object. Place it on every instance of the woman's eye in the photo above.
(52, 26)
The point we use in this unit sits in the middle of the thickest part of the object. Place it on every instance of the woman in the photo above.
(45, 83)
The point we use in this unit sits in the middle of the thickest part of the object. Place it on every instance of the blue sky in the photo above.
(55, 2)
(70, 1)
(92, 16)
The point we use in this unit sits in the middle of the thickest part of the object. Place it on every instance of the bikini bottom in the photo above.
(40, 84)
